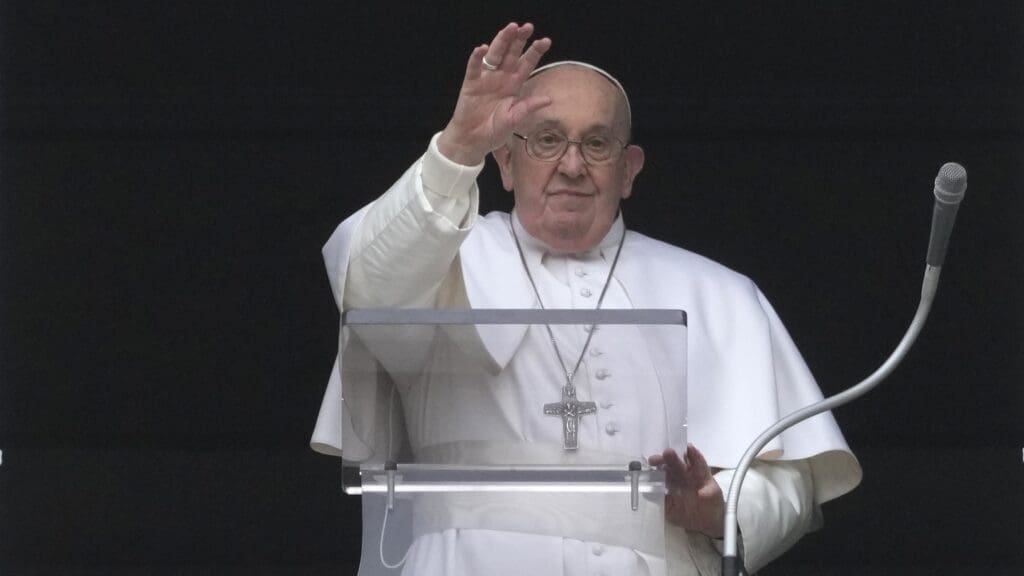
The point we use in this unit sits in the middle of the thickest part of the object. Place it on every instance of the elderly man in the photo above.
(560, 135)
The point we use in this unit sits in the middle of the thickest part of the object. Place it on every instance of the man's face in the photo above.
(570, 205)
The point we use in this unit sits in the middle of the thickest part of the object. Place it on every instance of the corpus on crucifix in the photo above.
(571, 410)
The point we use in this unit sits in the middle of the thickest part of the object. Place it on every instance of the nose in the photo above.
(572, 163)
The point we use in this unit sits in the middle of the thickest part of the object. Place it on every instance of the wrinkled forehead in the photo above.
(568, 65)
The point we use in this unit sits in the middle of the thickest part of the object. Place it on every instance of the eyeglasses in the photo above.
(549, 145)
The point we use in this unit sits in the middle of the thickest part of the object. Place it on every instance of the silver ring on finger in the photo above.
(487, 65)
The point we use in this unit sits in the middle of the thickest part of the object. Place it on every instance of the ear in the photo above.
(634, 160)
(503, 156)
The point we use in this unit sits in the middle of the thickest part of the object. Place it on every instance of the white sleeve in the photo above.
(776, 508)
(407, 242)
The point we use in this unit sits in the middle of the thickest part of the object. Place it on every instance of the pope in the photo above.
(561, 137)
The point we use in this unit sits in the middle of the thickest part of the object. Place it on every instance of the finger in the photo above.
(515, 48)
(529, 60)
(672, 458)
(669, 459)
(475, 65)
(500, 44)
(523, 108)
(697, 464)
(674, 469)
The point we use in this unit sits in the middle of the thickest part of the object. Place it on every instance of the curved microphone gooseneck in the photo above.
(950, 185)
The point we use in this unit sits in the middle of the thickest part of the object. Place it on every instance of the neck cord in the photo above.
(569, 375)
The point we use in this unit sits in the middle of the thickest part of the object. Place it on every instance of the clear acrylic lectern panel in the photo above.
(532, 422)
(607, 505)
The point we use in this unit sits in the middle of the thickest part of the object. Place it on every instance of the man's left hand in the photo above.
(694, 499)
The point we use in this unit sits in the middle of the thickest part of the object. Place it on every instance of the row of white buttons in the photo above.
(610, 428)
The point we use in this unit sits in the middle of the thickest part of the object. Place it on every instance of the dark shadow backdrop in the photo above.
(170, 171)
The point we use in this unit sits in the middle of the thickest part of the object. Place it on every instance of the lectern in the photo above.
(510, 421)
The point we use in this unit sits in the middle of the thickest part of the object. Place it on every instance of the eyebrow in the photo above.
(592, 129)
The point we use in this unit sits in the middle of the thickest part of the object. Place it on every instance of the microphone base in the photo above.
(733, 566)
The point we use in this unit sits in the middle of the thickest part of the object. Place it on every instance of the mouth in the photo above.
(568, 192)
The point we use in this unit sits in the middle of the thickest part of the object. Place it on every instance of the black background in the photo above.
(170, 171)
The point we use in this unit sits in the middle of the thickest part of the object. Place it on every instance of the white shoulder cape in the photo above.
(744, 371)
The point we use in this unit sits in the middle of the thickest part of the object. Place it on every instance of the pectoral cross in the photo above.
(571, 410)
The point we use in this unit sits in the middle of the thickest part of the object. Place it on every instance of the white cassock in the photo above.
(422, 245)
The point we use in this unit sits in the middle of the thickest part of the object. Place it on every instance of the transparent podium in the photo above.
(510, 425)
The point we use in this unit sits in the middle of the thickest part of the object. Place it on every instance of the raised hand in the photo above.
(694, 499)
(489, 104)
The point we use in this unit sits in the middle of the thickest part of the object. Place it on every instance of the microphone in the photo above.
(950, 185)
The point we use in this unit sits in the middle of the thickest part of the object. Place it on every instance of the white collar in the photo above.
(535, 249)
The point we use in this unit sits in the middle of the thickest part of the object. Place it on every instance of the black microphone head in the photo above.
(951, 183)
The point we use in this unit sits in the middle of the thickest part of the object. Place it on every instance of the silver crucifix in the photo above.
(570, 409)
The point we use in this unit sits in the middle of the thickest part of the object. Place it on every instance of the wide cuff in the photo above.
(442, 176)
